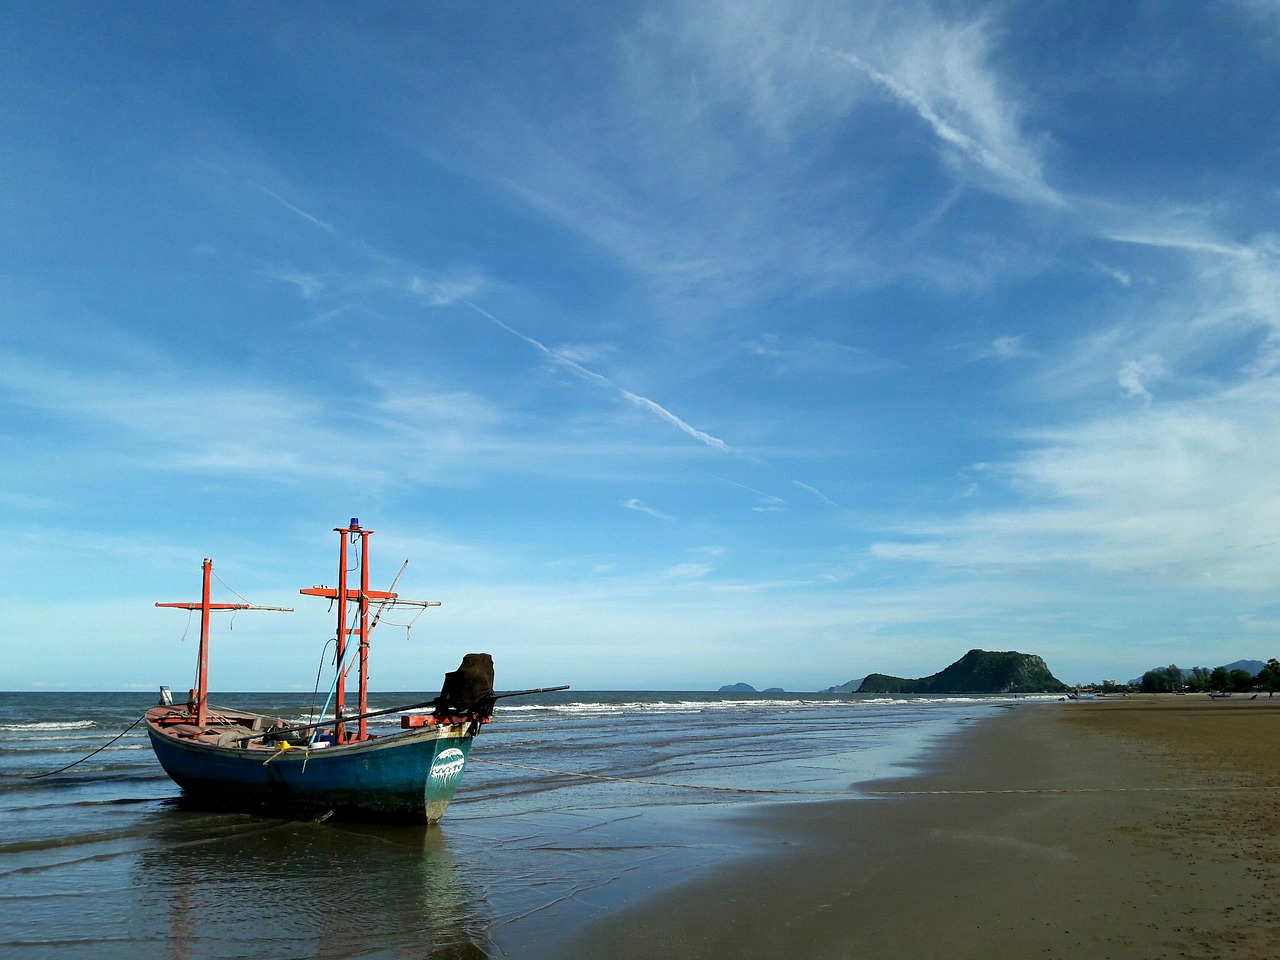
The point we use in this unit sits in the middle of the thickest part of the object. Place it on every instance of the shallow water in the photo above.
(104, 860)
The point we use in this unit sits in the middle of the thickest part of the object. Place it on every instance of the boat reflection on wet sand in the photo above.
(236, 886)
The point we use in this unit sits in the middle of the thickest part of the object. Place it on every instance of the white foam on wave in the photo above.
(925, 700)
(704, 706)
(46, 725)
(646, 706)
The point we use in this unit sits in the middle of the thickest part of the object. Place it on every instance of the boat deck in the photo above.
(222, 727)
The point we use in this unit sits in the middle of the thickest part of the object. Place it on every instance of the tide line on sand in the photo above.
(1146, 828)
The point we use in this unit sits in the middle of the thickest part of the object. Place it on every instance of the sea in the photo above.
(574, 804)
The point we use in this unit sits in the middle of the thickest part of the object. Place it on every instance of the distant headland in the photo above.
(978, 671)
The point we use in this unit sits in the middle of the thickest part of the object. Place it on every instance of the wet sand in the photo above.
(1147, 828)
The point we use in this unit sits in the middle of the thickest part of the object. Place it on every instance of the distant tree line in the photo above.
(1173, 679)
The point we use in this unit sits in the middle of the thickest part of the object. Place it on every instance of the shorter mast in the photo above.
(200, 695)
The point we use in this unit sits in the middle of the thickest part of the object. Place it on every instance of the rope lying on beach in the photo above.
(864, 793)
(50, 773)
(659, 783)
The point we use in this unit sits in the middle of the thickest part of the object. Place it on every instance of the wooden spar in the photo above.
(206, 607)
(299, 728)
(525, 693)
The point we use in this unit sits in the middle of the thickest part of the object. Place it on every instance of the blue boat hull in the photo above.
(409, 776)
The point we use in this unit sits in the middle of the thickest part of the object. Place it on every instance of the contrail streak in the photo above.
(768, 498)
(576, 368)
(298, 210)
(816, 492)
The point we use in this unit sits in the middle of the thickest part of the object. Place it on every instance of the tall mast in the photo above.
(340, 696)
(362, 631)
(201, 692)
(358, 631)
(360, 626)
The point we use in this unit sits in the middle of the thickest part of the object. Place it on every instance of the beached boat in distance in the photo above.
(238, 758)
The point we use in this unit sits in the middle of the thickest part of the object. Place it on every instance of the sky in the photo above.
(675, 344)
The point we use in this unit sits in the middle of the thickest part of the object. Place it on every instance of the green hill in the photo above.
(978, 671)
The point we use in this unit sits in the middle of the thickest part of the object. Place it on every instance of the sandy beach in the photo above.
(1144, 827)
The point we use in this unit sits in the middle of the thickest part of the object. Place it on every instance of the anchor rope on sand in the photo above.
(657, 783)
(50, 773)
(862, 793)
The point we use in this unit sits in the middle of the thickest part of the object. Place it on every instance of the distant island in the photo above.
(748, 688)
(849, 687)
(978, 671)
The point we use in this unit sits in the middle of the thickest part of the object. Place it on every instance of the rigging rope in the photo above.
(311, 714)
(333, 687)
(231, 623)
(228, 587)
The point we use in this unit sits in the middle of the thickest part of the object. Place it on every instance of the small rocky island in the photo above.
(978, 671)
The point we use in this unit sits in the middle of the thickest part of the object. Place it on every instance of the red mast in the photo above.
(201, 693)
(359, 630)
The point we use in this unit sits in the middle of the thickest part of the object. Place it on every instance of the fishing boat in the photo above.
(234, 757)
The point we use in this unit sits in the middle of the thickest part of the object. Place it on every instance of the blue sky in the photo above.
(676, 344)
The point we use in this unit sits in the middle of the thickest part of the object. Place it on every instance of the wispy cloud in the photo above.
(1183, 237)
(1135, 495)
(442, 291)
(812, 355)
(940, 75)
(690, 571)
(1136, 376)
(406, 432)
(1119, 276)
(377, 275)
(641, 507)
(700, 105)
(1005, 348)
(256, 431)
(1210, 321)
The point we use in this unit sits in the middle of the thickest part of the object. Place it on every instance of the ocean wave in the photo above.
(596, 709)
(46, 725)
(34, 746)
(657, 706)
(940, 700)
(742, 705)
